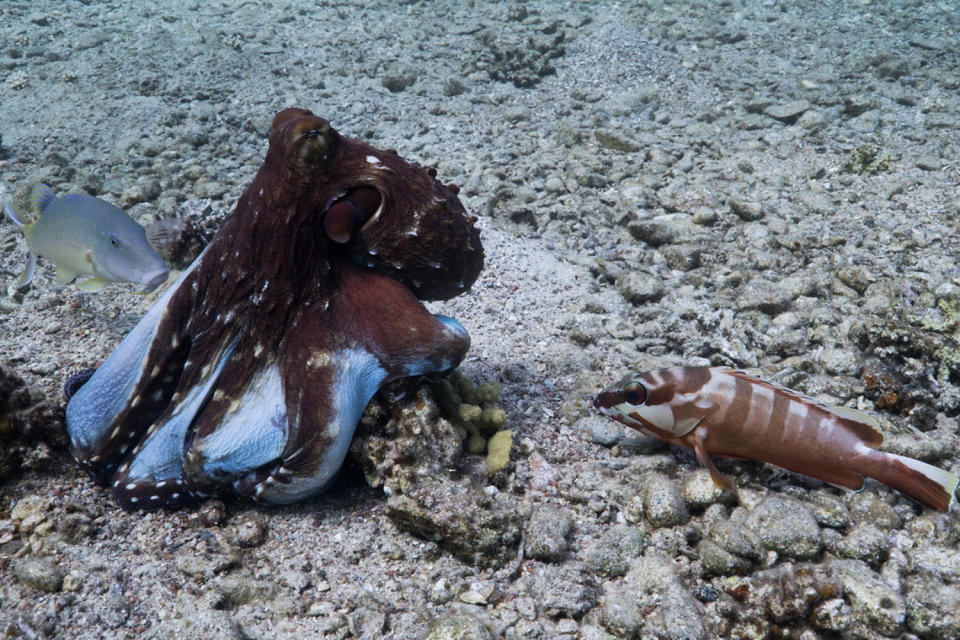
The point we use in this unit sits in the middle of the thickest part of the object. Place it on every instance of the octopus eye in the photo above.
(314, 145)
(348, 214)
(635, 393)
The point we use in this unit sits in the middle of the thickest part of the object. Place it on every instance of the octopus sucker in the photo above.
(249, 375)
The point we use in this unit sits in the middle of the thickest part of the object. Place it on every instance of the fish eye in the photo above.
(114, 241)
(635, 393)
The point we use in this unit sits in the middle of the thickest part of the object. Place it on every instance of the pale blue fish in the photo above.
(83, 235)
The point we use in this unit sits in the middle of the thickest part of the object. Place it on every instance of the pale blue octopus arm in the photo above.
(93, 409)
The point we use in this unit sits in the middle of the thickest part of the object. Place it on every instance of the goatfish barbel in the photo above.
(86, 235)
(717, 410)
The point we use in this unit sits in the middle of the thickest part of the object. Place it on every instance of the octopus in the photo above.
(249, 375)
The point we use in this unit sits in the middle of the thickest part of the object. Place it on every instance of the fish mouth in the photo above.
(153, 280)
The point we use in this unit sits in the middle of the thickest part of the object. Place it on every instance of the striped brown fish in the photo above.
(716, 410)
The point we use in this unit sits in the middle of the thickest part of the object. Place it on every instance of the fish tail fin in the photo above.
(41, 197)
(924, 483)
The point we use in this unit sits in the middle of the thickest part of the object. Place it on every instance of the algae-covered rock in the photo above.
(547, 533)
(411, 441)
(498, 451)
(29, 425)
(458, 627)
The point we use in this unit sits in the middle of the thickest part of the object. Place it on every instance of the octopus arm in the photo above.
(94, 413)
(154, 476)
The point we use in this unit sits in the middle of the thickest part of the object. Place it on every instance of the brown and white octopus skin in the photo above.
(249, 375)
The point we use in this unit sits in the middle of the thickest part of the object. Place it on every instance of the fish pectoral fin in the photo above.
(91, 285)
(690, 414)
(65, 275)
(27, 276)
(722, 480)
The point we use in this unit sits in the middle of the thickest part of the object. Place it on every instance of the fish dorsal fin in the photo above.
(41, 197)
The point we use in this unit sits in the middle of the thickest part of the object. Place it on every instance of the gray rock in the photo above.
(763, 295)
(839, 362)
(616, 141)
(547, 532)
(933, 609)
(745, 209)
(700, 491)
(610, 555)
(938, 560)
(600, 430)
(565, 590)
(682, 257)
(639, 287)
(864, 542)
(461, 626)
(719, 561)
(788, 112)
(786, 526)
(39, 572)
(453, 86)
(657, 232)
(247, 530)
(873, 601)
(663, 502)
(829, 510)
(858, 104)
(737, 539)
(667, 609)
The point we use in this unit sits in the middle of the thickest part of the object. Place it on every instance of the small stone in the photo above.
(458, 627)
(829, 511)
(747, 210)
(937, 560)
(398, 77)
(700, 491)
(610, 555)
(662, 501)
(786, 526)
(453, 86)
(788, 112)
(812, 120)
(563, 590)
(554, 184)
(719, 561)
(858, 104)
(640, 288)
(248, 530)
(616, 141)
(52, 327)
(764, 295)
(547, 533)
(865, 542)
(600, 430)
(516, 114)
(41, 573)
(873, 601)
(682, 257)
(929, 163)
(933, 609)
(656, 233)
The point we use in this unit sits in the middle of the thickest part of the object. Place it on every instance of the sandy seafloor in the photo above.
(657, 183)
